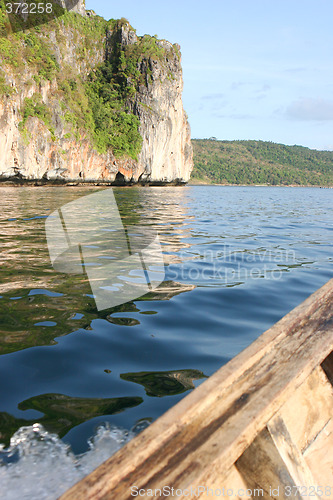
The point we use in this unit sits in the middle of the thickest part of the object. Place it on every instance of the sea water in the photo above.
(77, 383)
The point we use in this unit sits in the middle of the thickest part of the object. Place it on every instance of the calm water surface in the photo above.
(237, 259)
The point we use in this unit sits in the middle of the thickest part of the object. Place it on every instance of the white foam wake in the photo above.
(38, 465)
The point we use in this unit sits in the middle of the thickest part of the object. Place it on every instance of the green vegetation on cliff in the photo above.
(259, 162)
(112, 124)
(93, 74)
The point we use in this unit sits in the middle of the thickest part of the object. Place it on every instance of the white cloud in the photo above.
(310, 109)
(295, 70)
(213, 96)
(235, 116)
(239, 116)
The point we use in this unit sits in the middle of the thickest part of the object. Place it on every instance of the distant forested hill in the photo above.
(259, 162)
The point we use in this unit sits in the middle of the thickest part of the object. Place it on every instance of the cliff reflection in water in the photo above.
(61, 413)
(159, 384)
(33, 294)
(39, 307)
(73, 368)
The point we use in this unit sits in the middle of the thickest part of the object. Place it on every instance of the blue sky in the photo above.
(260, 69)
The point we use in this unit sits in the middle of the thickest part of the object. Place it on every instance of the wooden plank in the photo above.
(275, 464)
(309, 409)
(209, 429)
(327, 366)
(221, 484)
(261, 467)
(291, 455)
(319, 457)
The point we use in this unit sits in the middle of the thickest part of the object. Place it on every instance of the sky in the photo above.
(252, 69)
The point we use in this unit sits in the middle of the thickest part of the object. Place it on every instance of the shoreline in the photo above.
(100, 183)
(199, 183)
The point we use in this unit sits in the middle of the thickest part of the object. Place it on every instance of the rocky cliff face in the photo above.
(166, 152)
(74, 5)
(39, 137)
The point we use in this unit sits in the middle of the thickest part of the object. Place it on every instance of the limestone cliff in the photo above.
(166, 151)
(56, 103)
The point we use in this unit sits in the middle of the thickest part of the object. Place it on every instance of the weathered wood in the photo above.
(309, 409)
(273, 462)
(205, 434)
(219, 480)
(290, 453)
(319, 457)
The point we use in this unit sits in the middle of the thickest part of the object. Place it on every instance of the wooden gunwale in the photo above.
(271, 405)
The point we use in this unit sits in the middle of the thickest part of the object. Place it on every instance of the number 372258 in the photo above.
(28, 8)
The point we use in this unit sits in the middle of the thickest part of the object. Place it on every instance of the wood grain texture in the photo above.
(219, 480)
(209, 430)
(273, 462)
(319, 457)
(309, 409)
